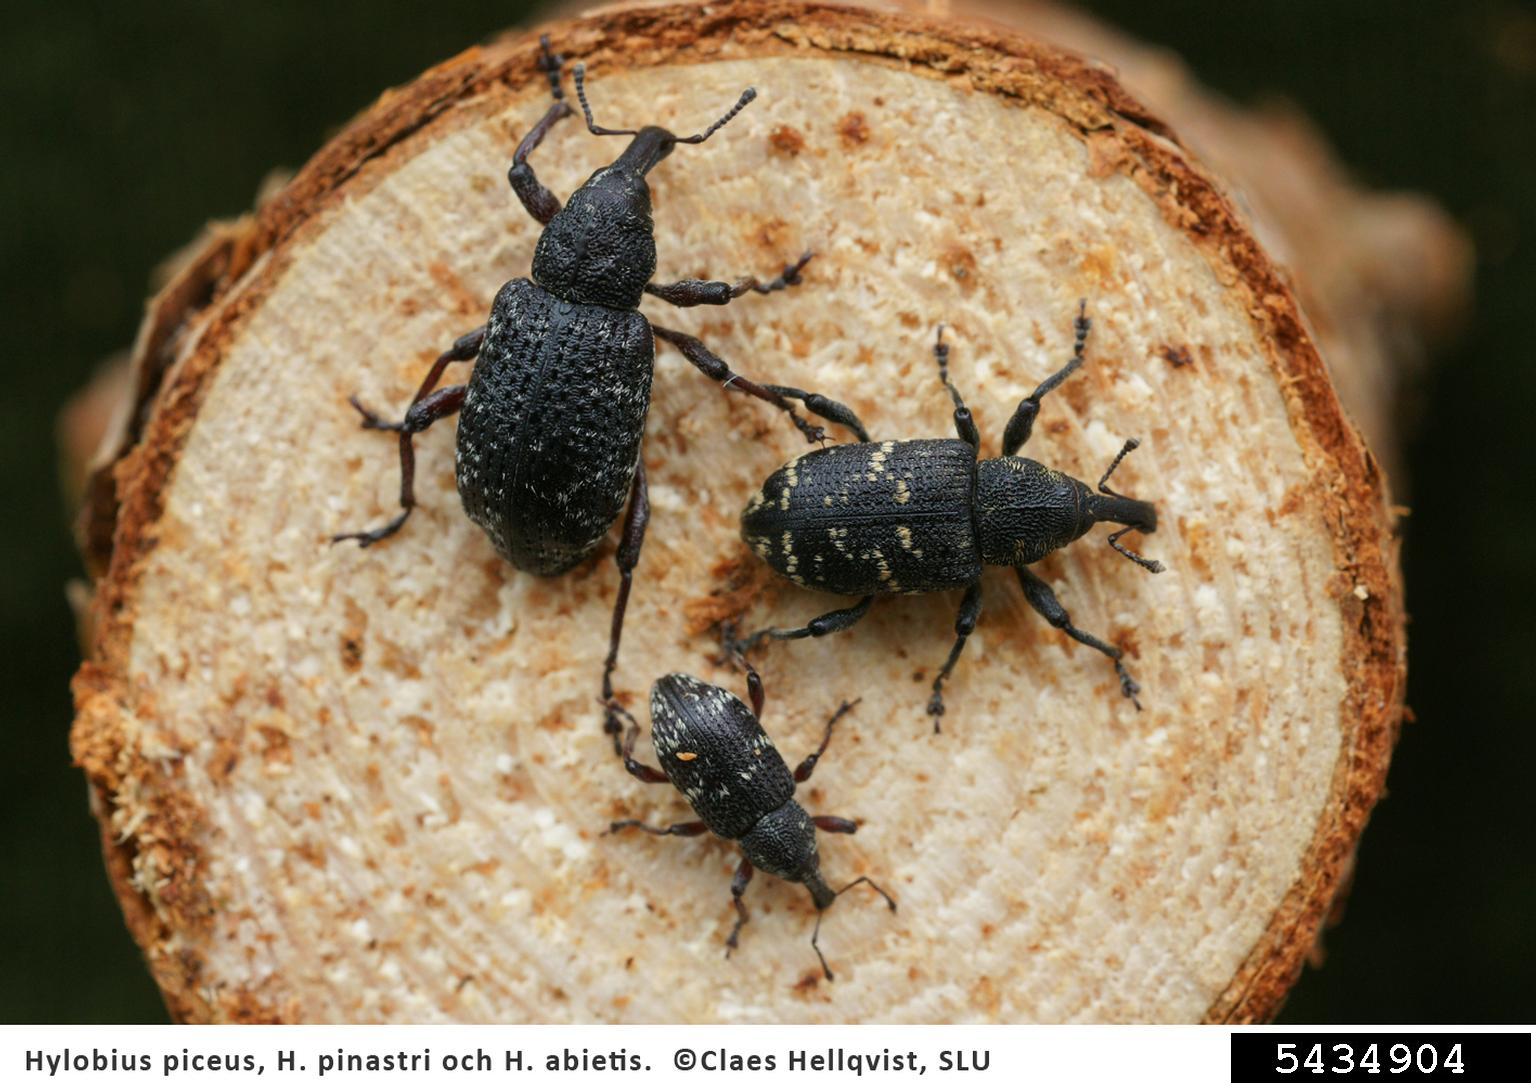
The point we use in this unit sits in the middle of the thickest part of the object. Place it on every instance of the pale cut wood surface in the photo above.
(1383, 276)
(357, 785)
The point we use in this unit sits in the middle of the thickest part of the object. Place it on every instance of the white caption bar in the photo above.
(483, 1057)
(354, 1057)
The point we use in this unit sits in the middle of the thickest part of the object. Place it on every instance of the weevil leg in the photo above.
(838, 620)
(685, 830)
(825, 407)
(732, 651)
(808, 764)
(719, 292)
(627, 556)
(965, 423)
(646, 774)
(713, 366)
(463, 350)
(1023, 421)
(422, 414)
(835, 825)
(424, 410)
(965, 623)
(739, 884)
(754, 689)
(965, 429)
(1043, 600)
(538, 200)
(550, 63)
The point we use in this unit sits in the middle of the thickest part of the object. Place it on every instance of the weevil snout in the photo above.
(1132, 513)
(652, 143)
(1110, 505)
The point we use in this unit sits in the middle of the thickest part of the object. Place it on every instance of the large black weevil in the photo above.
(874, 518)
(714, 750)
(554, 411)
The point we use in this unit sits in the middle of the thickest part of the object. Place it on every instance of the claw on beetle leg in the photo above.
(372, 421)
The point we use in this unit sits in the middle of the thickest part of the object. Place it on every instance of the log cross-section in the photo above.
(354, 785)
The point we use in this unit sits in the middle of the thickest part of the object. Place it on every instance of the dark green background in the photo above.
(125, 126)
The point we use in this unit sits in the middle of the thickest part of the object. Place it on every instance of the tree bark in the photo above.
(370, 785)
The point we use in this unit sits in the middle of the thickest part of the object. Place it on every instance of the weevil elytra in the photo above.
(873, 518)
(552, 417)
(712, 747)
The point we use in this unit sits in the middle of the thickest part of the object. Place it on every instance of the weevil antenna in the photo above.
(1131, 506)
(741, 103)
(865, 880)
(815, 937)
(820, 910)
(1135, 557)
(579, 74)
(1130, 444)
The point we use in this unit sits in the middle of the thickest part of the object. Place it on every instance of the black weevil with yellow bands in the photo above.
(874, 518)
(553, 414)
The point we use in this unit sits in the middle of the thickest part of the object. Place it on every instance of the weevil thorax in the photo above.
(784, 843)
(601, 247)
(1026, 510)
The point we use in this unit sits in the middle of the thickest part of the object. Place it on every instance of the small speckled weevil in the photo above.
(714, 750)
(874, 518)
(553, 414)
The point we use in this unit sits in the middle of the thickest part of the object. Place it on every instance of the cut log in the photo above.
(353, 785)
(1383, 277)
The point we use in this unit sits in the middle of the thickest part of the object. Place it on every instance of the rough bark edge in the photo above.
(229, 277)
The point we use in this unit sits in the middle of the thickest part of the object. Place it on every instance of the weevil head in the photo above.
(601, 247)
(1119, 510)
(821, 895)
